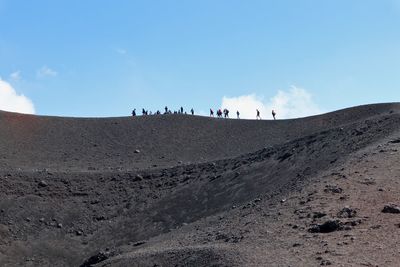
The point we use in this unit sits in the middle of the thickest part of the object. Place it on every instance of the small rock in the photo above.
(347, 228)
(368, 181)
(376, 226)
(391, 208)
(358, 132)
(257, 200)
(137, 151)
(59, 225)
(347, 212)
(354, 223)
(95, 259)
(221, 236)
(333, 189)
(43, 183)
(139, 243)
(326, 262)
(318, 214)
(138, 177)
(94, 201)
(41, 220)
(395, 141)
(327, 227)
(79, 233)
(100, 218)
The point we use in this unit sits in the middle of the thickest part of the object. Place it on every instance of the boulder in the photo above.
(327, 227)
(391, 208)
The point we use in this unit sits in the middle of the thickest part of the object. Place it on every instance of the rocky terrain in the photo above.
(176, 190)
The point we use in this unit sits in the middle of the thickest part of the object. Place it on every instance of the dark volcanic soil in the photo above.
(190, 191)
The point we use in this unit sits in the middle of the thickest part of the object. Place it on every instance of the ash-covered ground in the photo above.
(176, 190)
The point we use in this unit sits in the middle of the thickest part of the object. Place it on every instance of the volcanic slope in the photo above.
(201, 191)
(70, 144)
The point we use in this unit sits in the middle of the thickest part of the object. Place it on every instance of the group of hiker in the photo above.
(158, 112)
(220, 112)
(225, 112)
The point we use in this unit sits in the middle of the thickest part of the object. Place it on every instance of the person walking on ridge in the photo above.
(226, 113)
(238, 114)
(258, 117)
(219, 113)
(134, 112)
(192, 111)
(273, 114)
(211, 113)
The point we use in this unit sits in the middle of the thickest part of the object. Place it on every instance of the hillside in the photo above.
(175, 190)
(75, 144)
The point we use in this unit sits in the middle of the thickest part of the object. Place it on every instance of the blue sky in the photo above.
(102, 58)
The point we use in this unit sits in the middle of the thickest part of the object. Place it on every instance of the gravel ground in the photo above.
(191, 191)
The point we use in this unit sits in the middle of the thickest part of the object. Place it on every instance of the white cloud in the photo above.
(11, 101)
(15, 76)
(293, 103)
(46, 72)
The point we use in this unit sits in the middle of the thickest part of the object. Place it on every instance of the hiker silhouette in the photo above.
(226, 113)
